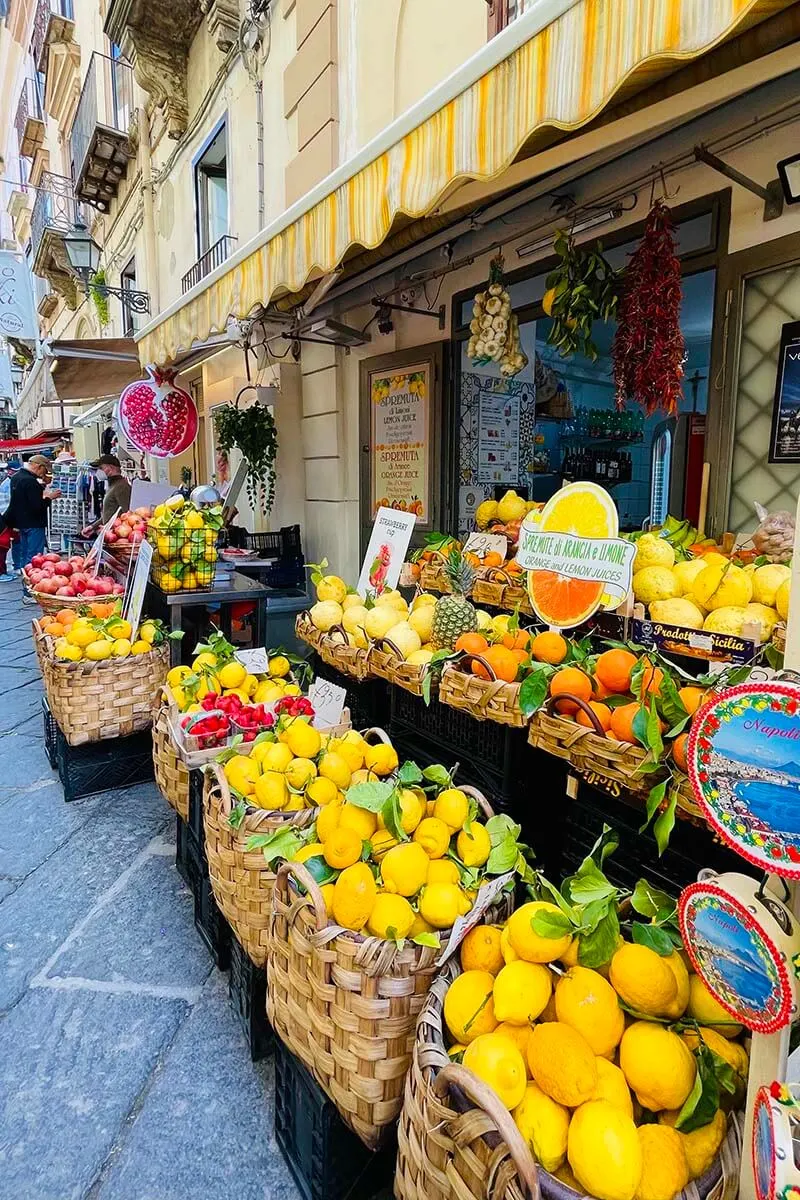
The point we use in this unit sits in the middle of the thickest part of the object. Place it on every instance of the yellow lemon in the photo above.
(382, 759)
(497, 1061)
(121, 629)
(121, 648)
(207, 685)
(80, 635)
(411, 811)
(480, 949)
(441, 904)
(267, 693)
(354, 896)
(706, 1010)
(544, 1125)
(506, 949)
(701, 1146)
(521, 991)
(279, 666)
(730, 1052)
(299, 773)
(562, 1063)
(519, 1034)
(342, 848)
(678, 967)
(312, 850)
(528, 944)
(249, 686)
(604, 1151)
(392, 917)
(302, 739)
(665, 1171)
(444, 870)
(587, 1002)
(206, 659)
(404, 869)
(420, 926)
(353, 755)
(242, 762)
(271, 790)
(452, 807)
(612, 1086)
(291, 689)
(469, 1006)
(273, 756)
(179, 696)
(147, 632)
(321, 792)
(657, 1064)
(194, 520)
(643, 980)
(232, 675)
(332, 766)
(474, 845)
(243, 696)
(66, 650)
(328, 819)
(177, 675)
(327, 891)
(361, 821)
(434, 837)
(141, 647)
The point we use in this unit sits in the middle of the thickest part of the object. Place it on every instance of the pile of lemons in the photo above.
(407, 627)
(595, 1091)
(190, 685)
(94, 639)
(303, 768)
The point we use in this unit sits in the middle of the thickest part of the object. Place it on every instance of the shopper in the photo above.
(118, 490)
(29, 505)
(9, 538)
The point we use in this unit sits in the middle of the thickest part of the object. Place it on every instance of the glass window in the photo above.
(130, 320)
(211, 190)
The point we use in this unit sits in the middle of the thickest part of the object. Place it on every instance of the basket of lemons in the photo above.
(184, 540)
(622, 1080)
(371, 901)
(171, 773)
(285, 777)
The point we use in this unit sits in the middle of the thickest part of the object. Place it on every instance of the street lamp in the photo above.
(84, 256)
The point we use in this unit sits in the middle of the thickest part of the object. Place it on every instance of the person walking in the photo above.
(118, 490)
(29, 505)
(9, 538)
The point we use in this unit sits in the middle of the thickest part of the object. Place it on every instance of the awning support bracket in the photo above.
(439, 313)
(772, 194)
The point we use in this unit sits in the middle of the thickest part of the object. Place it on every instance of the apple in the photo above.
(37, 560)
(124, 530)
(53, 557)
(143, 512)
(137, 535)
(111, 537)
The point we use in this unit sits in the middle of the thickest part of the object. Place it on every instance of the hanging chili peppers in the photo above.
(649, 351)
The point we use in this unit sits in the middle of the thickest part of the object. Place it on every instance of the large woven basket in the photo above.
(172, 775)
(433, 577)
(39, 644)
(386, 661)
(456, 1141)
(54, 604)
(307, 631)
(347, 1005)
(498, 589)
(92, 701)
(489, 699)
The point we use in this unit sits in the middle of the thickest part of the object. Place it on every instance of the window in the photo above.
(127, 281)
(211, 191)
(503, 12)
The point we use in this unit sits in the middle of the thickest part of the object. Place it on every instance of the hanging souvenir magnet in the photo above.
(776, 1123)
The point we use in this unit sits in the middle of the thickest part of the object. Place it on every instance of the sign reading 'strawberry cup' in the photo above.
(386, 551)
(576, 562)
(744, 764)
(157, 416)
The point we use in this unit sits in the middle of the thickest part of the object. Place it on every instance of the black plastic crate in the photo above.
(280, 543)
(368, 701)
(247, 989)
(211, 925)
(98, 766)
(189, 861)
(50, 733)
(286, 573)
(326, 1159)
(195, 821)
(209, 921)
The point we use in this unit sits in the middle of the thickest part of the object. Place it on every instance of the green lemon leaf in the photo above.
(392, 816)
(597, 948)
(703, 1100)
(427, 939)
(552, 925)
(654, 938)
(655, 799)
(439, 775)
(650, 901)
(409, 773)
(284, 843)
(371, 796)
(533, 692)
(319, 870)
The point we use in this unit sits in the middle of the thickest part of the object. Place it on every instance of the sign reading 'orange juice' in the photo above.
(399, 408)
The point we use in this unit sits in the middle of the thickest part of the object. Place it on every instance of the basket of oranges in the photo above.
(503, 587)
(485, 681)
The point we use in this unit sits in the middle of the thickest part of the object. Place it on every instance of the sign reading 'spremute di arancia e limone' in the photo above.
(600, 560)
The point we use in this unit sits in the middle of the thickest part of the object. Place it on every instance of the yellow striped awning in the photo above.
(567, 60)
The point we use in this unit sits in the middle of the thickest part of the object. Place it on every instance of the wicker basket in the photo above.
(172, 776)
(53, 604)
(307, 631)
(335, 650)
(39, 644)
(498, 589)
(92, 701)
(347, 1005)
(433, 577)
(386, 661)
(489, 699)
(456, 1141)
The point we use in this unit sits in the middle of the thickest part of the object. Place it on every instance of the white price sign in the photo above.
(134, 601)
(97, 548)
(256, 661)
(328, 701)
(487, 543)
(486, 897)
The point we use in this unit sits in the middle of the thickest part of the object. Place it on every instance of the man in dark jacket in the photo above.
(118, 490)
(29, 505)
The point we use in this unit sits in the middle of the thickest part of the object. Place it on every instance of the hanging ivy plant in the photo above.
(253, 432)
(582, 289)
(97, 288)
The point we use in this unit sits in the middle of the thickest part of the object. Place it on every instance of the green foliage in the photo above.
(97, 290)
(253, 432)
(586, 289)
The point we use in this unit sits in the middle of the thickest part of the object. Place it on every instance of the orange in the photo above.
(549, 648)
(65, 616)
(56, 629)
(622, 723)
(600, 690)
(613, 670)
(472, 559)
(472, 643)
(570, 681)
(520, 655)
(502, 661)
(492, 559)
(517, 639)
(101, 608)
(652, 679)
(564, 602)
(679, 747)
(691, 698)
(513, 567)
(601, 711)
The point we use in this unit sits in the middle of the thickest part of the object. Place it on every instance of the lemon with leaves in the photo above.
(404, 869)
(391, 917)
(532, 945)
(303, 740)
(382, 759)
(469, 1006)
(521, 991)
(279, 666)
(411, 811)
(474, 845)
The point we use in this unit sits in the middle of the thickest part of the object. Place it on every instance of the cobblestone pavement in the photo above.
(123, 1075)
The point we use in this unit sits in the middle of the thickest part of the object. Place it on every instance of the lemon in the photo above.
(486, 511)
(80, 635)
(761, 615)
(767, 580)
(300, 772)
(354, 618)
(312, 850)
(249, 686)
(147, 632)
(444, 870)
(497, 1061)
(325, 614)
(279, 666)
(206, 659)
(392, 917)
(177, 675)
(728, 620)
(604, 1151)
(290, 689)
(321, 792)
(474, 845)
(653, 551)
(566, 1175)
(381, 758)
(655, 583)
(588, 1003)
(665, 1171)
(730, 1052)
(480, 949)
(267, 692)
(686, 573)
(721, 586)
(680, 611)
(352, 755)
(544, 1125)
(526, 942)
(782, 597)
(121, 648)
(411, 811)
(381, 842)
(562, 1063)
(612, 1086)
(179, 696)
(328, 819)
(678, 968)
(98, 650)
(354, 896)
(570, 956)
(706, 1010)
(701, 1146)
(433, 836)
(404, 639)
(119, 628)
(327, 891)
(270, 790)
(657, 1065)
(66, 650)
(332, 766)
(342, 848)
(273, 756)
(421, 622)
(643, 980)
(521, 991)
(469, 1006)
(420, 658)
(506, 949)
(520, 1035)
(302, 739)
(208, 684)
(452, 807)
(361, 821)
(441, 904)
(423, 599)
(331, 587)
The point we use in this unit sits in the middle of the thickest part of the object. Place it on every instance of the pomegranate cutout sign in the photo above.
(157, 416)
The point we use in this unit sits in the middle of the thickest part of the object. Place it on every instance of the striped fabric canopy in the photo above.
(560, 78)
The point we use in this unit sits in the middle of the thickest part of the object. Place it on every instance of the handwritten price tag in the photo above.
(328, 701)
(487, 543)
(487, 895)
(256, 660)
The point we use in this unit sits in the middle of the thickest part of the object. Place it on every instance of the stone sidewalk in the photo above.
(123, 1073)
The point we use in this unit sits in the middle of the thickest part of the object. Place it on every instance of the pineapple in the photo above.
(454, 615)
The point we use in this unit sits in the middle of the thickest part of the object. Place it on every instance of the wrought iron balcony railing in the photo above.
(214, 257)
(49, 15)
(55, 209)
(29, 121)
(100, 141)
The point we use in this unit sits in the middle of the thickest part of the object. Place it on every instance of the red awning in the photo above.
(52, 438)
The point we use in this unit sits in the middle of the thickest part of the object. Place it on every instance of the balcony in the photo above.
(55, 213)
(100, 142)
(53, 22)
(214, 257)
(46, 299)
(29, 121)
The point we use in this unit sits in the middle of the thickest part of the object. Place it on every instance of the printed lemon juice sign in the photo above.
(399, 407)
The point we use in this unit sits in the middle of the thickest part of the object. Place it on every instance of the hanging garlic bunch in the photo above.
(494, 329)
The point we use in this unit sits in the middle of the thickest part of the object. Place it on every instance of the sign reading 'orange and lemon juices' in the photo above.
(575, 560)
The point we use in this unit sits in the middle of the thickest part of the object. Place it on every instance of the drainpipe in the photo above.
(148, 214)
(260, 137)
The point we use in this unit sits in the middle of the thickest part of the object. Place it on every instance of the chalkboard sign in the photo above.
(784, 442)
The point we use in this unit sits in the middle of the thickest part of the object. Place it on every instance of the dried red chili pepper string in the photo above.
(649, 350)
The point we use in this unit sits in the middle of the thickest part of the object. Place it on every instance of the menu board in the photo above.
(784, 443)
(401, 440)
(498, 434)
